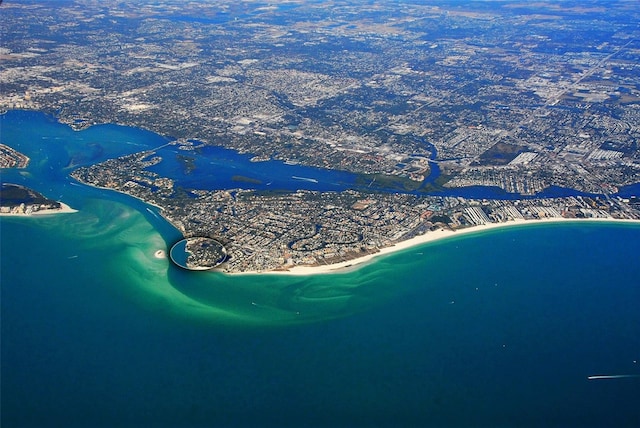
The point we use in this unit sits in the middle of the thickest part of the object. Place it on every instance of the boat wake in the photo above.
(619, 376)
(310, 180)
(153, 213)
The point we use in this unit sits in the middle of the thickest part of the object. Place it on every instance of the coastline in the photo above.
(64, 209)
(437, 235)
(358, 262)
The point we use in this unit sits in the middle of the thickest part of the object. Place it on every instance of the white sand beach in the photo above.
(422, 239)
(64, 209)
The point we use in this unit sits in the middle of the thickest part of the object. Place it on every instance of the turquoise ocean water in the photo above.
(494, 329)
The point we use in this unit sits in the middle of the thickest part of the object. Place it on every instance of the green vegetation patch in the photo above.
(188, 163)
(385, 181)
(244, 179)
(436, 185)
(12, 195)
(440, 218)
(500, 154)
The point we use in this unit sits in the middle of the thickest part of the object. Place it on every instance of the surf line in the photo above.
(618, 376)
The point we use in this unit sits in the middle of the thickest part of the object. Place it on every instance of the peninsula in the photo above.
(16, 200)
(279, 231)
(10, 158)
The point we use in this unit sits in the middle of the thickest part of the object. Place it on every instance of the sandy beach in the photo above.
(422, 239)
(64, 209)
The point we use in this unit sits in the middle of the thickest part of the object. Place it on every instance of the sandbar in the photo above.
(431, 236)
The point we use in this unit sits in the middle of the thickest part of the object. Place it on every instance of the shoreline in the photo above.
(437, 235)
(64, 209)
(358, 262)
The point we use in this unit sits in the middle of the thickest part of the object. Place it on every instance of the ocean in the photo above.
(501, 328)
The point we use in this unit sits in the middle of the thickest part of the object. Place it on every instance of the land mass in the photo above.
(505, 94)
(432, 236)
(410, 97)
(281, 230)
(10, 158)
(20, 200)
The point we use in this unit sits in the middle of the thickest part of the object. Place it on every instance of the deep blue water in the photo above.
(495, 329)
(220, 168)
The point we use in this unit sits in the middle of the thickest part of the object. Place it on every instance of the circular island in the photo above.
(198, 253)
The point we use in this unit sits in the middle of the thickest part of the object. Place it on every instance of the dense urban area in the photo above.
(471, 93)
(10, 158)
